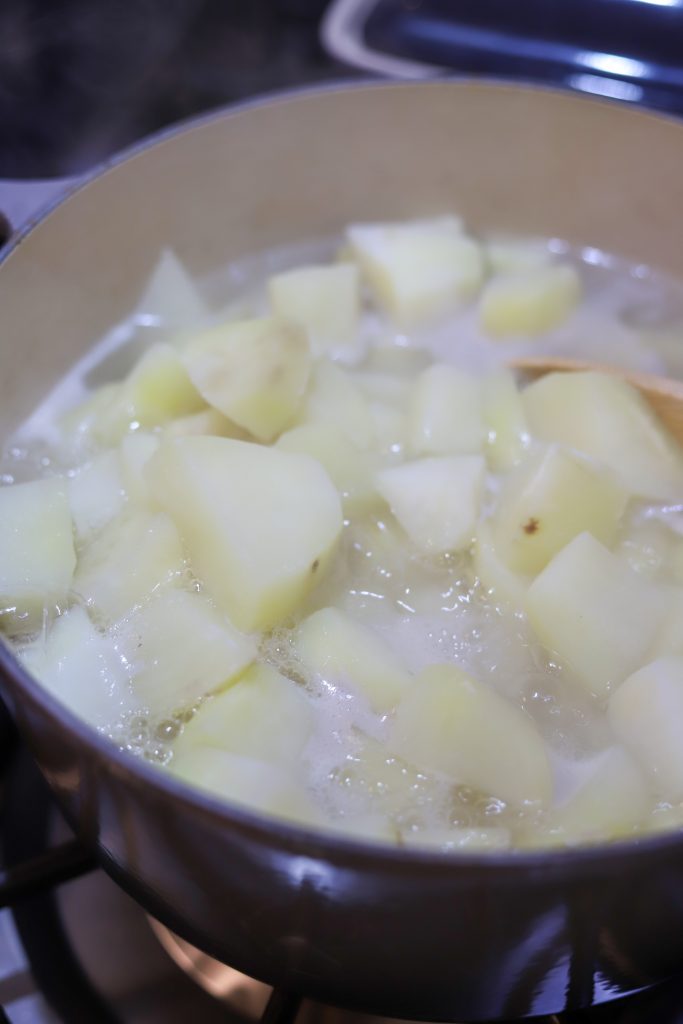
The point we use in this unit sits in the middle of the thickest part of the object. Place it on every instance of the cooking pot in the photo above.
(406, 933)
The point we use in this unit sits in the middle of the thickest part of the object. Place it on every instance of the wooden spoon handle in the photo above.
(664, 394)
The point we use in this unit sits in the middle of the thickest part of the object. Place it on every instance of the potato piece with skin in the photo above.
(37, 556)
(158, 389)
(334, 397)
(417, 269)
(646, 713)
(324, 300)
(263, 715)
(180, 648)
(445, 412)
(253, 371)
(96, 494)
(350, 470)
(527, 303)
(552, 497)
(436, 500)
(608, 420)
(610, 800)
(454, 725)
(82, 668)
(508, 438)
(127, 562)
(222, 494)
(255, 786)
(343, 652)
(595, 613)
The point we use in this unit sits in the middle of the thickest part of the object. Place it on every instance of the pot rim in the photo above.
(262, 828)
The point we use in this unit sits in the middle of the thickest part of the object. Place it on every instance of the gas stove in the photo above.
(75, 949)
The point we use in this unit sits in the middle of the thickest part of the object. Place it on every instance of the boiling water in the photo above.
(430, 610)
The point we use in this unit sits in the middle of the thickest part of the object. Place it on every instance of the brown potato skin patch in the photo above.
(531, 526)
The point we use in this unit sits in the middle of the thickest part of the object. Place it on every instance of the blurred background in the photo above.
(80, 79)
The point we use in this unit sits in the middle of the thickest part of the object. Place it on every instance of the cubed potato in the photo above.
(446, 413)
(324, 300)
(96, 494)
(253, 371)
(448, 840)
(508, 588)
(609, 800)
(208, 421)
(334, 397)
(135, 451)
(646, 713)
(171, 296)
(263, 715)
(529, 302)
(391, 429)
(346, 654)
(158, 389)
(595, 613)
(82, 668)
(351, 471)
(436, 500)
(79, 425)
(127, 562)
(37, 556)
(260, 525)
(417, 269)
(180, 648)
(552, 497)
(507, 432)
(512, 255)
(608, 420)
(454, 725)
(255, 786)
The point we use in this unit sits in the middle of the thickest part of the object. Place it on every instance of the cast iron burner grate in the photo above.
(36, 871)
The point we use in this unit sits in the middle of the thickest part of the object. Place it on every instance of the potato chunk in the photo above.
(552, 497)
(335, 398)
(436, 500)
(608, 420)
(135, 451)
(507, 587)
(157, 390)
(529, 302)
(259, 524)
(417, 269)
(325, 301)
(646, 713)
(37, 556)
(504, 421)
(445, 412)
(96, 494)
(171, 295)
(610, 800)
(257, 786)
(351, 471)
(180, 648)
(453, 724)
(82, 668)
(127, 562)
(347, 654)
(263, 715)
(597, 614)
(253, 371)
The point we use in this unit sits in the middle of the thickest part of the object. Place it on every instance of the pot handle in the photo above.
(21, 201)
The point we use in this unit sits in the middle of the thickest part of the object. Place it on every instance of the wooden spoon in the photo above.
(664, 394)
